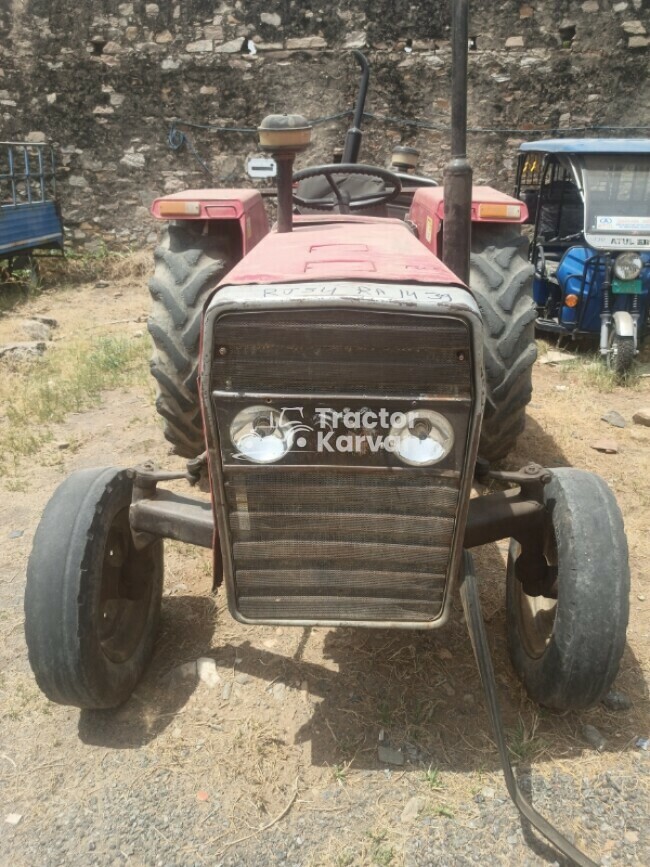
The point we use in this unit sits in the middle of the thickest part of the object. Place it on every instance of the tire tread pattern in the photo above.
(621, 357)
(188, 266)
(501, 281)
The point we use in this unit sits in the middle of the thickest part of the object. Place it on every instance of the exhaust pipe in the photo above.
(457, 227)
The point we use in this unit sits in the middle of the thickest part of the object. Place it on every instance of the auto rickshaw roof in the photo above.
(587, 146)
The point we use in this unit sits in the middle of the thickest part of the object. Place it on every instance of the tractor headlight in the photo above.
(259, 435)
(628, 266)
(423, 438)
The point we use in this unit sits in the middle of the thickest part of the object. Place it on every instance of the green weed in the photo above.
(385, 716)
(433, 779)
(381, 853)
(525, 745)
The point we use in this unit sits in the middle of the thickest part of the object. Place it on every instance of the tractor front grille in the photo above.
(333, 353)
(331, 538)
(339, 545)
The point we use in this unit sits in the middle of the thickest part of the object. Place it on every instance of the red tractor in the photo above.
(339, 389)
(210, 231)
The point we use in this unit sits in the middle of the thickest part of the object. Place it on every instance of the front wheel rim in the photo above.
(612, 355)
(126, 591)
(537, 614)
(617, 363)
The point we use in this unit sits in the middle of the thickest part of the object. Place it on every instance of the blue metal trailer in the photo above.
(30, 216)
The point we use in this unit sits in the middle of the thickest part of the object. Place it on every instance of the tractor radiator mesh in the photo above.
(331, 352)
(339, 545)
(335, 540)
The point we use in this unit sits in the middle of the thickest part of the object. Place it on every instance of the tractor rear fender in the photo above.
(427, 212)
(244, 208)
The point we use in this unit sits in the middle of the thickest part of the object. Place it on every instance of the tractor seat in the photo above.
(318, 188)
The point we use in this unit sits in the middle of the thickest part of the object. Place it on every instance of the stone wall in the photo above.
(102, 79)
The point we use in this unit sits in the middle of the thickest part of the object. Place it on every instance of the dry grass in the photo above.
(587, 369)
(71, 378)
(14, 293)
(58, 273)
(105, 264)
(73, 374)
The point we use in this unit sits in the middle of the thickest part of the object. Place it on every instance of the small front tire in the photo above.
(566, 645)
(92, 600)
(621, 355)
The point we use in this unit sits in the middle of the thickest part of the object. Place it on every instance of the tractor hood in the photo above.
(341, 248)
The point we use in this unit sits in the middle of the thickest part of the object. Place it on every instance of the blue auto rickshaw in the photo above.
(589, 205)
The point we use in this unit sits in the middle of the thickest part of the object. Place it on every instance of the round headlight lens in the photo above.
(628, 266)
(259, 435)
(424, 438)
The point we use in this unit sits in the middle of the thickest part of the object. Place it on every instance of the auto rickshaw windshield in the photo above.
(617, 193)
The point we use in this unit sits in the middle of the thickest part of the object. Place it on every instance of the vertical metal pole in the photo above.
(28, 175)
(12, 177)
(41, 176)
(457, 226)
(284, 183)
(354, 134)
(53, 173)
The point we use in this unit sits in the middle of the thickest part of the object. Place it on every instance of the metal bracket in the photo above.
(472, 608)
(532, 568)
(519, 513)
(146, 476)
(516, 512)
(531, 479)
(156, 514)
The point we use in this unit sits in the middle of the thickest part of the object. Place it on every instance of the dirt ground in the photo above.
(278, 762)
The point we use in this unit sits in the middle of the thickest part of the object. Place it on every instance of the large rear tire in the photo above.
(501, 279)
(566, 645)
(189, 263)
(92, 600)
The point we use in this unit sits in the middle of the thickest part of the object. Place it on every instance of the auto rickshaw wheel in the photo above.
(620, 357)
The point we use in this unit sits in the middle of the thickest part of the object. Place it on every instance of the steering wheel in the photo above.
(346, 202)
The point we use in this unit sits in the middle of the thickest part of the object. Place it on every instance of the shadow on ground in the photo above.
(186, 631)
(420, 688)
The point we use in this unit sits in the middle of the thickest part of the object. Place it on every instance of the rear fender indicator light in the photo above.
(499, 212)
(180, 209)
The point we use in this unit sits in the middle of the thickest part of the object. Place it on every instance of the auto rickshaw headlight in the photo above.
(628, 266)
